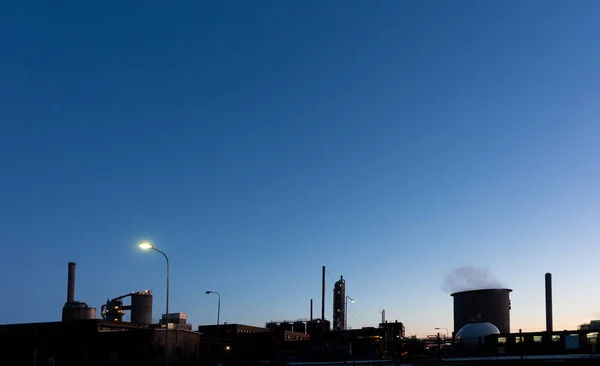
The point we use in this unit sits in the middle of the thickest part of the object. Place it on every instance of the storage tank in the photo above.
(78, 311)
(141, 307)
(473, 334)
(285, 326)
(489, 305)
(299, 327)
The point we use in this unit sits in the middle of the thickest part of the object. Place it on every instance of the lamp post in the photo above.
(346, 311)
(446, 329)
(218, 310)
(347, 345)
(148, 246)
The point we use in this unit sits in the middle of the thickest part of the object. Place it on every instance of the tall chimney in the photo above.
(323, 297)
(382, 316)
(548, 302)
(71, 283)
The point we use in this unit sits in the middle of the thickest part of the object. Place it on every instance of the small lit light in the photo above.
(145, 245)
(227, 348)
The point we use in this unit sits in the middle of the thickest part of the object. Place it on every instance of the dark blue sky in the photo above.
(254, 142)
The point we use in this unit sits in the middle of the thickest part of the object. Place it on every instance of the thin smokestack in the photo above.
(382, 316)
(311, 308)
(323, 297)
(548, 302)
(71, 283)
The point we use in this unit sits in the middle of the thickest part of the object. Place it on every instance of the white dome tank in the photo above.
(470, 334)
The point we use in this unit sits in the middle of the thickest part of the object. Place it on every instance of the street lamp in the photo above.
(346, 312)
(446, 329)
(347, 346)
(218, 310)
(148, 246)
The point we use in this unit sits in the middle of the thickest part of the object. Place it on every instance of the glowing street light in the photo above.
(145, 245)
(148, 246)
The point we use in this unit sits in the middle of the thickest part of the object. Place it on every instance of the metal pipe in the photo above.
(311, 310)
(71, 283)
(548, 302)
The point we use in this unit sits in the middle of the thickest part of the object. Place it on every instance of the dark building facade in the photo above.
(175, 321)
(490, 305)
(94, 343)
(235, 343)
(393, 330)
(226, 332)
(317, 326)
(339, 304)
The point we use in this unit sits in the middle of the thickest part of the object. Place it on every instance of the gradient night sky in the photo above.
(254, 142)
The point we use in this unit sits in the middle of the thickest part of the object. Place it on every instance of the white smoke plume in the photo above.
(470, 278)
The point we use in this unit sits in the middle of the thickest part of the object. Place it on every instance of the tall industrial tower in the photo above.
(339, 304)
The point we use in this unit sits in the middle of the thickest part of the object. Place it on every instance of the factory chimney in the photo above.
(75, 310)
(71, 283)
(311, 309)
(323, 297)
(548, 302)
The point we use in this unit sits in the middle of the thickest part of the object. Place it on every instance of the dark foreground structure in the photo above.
(93, 343)
(99, 343)
(578, 347)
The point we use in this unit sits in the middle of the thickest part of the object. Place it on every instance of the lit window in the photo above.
(518, 339)
(537, 339)
(501, 340)
(555, 338)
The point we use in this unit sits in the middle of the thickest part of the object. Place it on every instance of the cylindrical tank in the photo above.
(490, 305)
(285, 326)
(78, 311)
(141, 307)
(299, 327)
